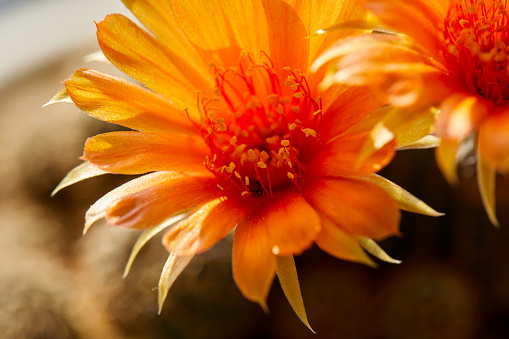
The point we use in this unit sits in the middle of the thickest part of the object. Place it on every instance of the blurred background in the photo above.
(54, 283)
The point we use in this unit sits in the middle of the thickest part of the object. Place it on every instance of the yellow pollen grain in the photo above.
(287, 68)
(317, 112)
(220, 121)
(295, 109)
(285, 143)
(264, 156)
(244, 193)
(220, 187)
(297, 95)
(292, 126)
(290, 175)
(272, 140)
(261, 164)
(215, 157)
(237, 175)
(233, 140)
(241, 148)
(309, 132)
(222, 128)
(244, 134)
(289, 164)
(289, 81)
(280, 109)
(247, 181)
(212, 116)
(252, 155)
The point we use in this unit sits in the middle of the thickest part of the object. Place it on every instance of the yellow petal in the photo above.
(61, 96)
(372, 247)
(429, 141)
(287, 275)
(405, 200)
(146, 59)
(171, 271)
(118, 101)
(145, 236)
(486, 182)
(81, 172)
(446, 159)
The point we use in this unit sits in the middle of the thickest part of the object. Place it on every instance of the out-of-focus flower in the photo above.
(234, 132)
(453, 56)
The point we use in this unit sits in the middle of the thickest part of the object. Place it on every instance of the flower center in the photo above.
(259, 128)
(477, 39)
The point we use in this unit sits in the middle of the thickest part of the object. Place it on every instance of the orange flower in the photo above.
(454, 57)
(234, 133)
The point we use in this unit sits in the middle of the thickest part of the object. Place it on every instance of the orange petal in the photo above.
(358, 207)
(205, 226)
(324, 15)
(252, 260)
(248, 24)
(416, 19)
(292, 224)
(459, 115)
(349, 107)
(206, 27)
(170, 195)
(494, 140)
(136, 152)
(98, 209)
(116, 100)
(139, 55)
(156, 16)
(340, 157)
(341, 244)
(287, 29)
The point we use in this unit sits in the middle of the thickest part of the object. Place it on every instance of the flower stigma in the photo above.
(259, 128)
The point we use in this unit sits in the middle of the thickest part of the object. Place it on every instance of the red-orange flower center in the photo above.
(259, 128)
(477, 39)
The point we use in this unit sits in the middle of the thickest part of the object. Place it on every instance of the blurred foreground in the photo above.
(54, 283)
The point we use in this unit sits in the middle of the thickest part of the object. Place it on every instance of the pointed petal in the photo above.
(253, 263)
(81, 172)
(137, 152)
(61, 96)
(373, 248)
(205, 226)
(145, 236)
(405, 200)
(144, 58)
(486, 183)
(356, 206)
(293, 223)
(170, 195)
(341, 244)
(287, 275)
(446, 159)
(118, 101)
(171, 271)
(348, 149)
(98, 209)
(429, 141)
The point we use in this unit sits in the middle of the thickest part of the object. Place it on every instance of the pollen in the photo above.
(250, 126)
